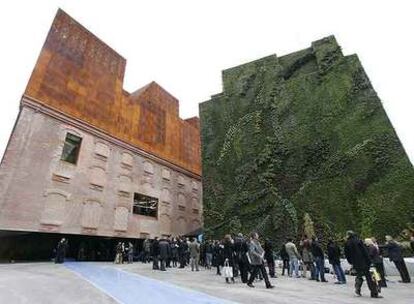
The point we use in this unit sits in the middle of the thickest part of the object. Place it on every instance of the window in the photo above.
(71, 148)
(145, 205)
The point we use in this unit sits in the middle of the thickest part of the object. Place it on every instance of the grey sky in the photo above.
(184, 45)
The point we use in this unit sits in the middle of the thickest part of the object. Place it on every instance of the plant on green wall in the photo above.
(303, 135)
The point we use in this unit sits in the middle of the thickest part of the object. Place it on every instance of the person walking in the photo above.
(357, 255)
(334, 257)
(164, 253)
(294, 257)
(155, 253)
(228, 255)
(319, 256)
(285, 259)
(218, 259)
(256, 254)
(270, 260)
(395, 255)
(307, 258)
(376, 259)
(194, 248)
(241, 251)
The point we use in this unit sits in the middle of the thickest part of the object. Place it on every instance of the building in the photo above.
(92, 162)
(303, 133)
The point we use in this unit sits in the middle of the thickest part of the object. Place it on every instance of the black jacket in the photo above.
(316, 250)
(165, 249)
(241, 249)
(218, 254)
(155, 248)
(394, 251)
(356, 253)
(268, 248)
(334, 254)
(228, 252)
(283, 254)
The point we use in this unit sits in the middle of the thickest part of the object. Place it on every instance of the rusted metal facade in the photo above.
(131, 143)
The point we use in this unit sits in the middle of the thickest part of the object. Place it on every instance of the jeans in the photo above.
(320, 268)
(294, 265)
(339, 273)
(209, 258)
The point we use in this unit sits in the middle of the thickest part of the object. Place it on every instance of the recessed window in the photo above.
(145, 205)
(71, 148)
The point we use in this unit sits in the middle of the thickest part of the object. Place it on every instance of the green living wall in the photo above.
(303, 133)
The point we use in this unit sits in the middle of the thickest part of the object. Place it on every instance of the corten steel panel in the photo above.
(81, 76)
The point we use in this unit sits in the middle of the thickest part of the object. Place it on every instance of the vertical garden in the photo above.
(300, 134)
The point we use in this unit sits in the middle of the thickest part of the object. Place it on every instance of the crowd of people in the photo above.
(124, 252)
(252, 261)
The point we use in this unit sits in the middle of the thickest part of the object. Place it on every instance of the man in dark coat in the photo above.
(228, 255)
(319, 257)
(155, 252)
(285, 258)
(61, 251)
(218, 259)
(395, 255)
(334, 257)
(182, 252)
(268, 248)
(164, 248)
(357, 255)
(241, 249)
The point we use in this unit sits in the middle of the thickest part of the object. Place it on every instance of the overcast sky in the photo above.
(184, 45)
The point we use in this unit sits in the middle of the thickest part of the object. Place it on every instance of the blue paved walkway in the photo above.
(129, 288)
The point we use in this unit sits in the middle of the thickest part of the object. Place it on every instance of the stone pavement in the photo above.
(46, 283)
(287, 290)
(43, 283)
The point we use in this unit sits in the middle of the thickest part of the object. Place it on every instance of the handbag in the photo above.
(227, 269)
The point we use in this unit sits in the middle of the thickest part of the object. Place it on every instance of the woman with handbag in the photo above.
(228, 254)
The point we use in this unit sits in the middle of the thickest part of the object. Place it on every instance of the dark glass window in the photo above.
(145, 205)
(71, 148)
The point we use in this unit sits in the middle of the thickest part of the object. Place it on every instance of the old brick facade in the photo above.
(130, 143)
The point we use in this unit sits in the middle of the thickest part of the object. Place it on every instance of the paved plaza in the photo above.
(106, 283)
